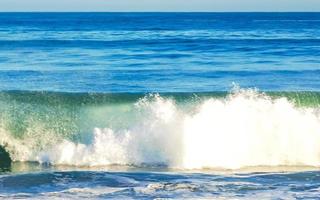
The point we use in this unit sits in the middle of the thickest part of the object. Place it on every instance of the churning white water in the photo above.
(246, 128)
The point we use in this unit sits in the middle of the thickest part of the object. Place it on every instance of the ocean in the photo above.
(159, 105)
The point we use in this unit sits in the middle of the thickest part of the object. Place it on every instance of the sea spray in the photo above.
(244, 128)
(251, 129)
(154, 140)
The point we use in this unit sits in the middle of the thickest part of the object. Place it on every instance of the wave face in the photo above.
(188, 131)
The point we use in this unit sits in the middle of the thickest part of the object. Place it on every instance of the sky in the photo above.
(160, 5)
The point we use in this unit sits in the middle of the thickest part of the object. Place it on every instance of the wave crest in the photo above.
(246, 128)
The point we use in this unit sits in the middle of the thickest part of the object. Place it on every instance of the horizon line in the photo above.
(40, 11)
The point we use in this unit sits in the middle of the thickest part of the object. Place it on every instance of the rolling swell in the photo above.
(180, 130)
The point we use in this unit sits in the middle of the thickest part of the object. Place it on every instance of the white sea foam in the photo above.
(246, 128)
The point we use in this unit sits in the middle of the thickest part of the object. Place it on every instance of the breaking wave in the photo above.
(229, 131)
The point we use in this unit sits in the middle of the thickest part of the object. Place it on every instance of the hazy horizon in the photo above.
(160, 6)
(87, 11)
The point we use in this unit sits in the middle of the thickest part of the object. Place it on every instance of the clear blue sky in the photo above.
(159, 5)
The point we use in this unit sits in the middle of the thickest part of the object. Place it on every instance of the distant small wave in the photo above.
(287, 20)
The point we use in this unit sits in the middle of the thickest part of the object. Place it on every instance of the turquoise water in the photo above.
(159, 105)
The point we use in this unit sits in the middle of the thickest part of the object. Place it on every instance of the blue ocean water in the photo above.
(159, 105)
(151, 185)
(159, 52)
